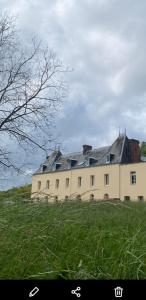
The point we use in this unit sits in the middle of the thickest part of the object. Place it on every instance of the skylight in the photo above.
(80, 163)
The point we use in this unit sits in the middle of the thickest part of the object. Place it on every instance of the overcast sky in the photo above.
(104, 41)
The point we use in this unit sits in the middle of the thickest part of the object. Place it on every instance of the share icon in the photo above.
(75, 291)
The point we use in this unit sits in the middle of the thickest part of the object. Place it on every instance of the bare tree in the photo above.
(31, 90)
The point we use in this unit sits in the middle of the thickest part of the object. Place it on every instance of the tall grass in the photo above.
(72, 240)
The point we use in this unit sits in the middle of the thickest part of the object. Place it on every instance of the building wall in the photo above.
(99, 188)
(52, 191)
(133, 190)
(119, 183)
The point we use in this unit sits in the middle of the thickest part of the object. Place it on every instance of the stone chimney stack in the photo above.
(86, 149)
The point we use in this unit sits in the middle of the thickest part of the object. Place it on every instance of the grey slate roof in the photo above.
(96, 156)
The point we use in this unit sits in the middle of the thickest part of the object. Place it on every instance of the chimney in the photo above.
(86, 149)
(134, 150)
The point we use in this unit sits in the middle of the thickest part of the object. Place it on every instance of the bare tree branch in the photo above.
(31, 89)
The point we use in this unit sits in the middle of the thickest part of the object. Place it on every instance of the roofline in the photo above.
(82, 168)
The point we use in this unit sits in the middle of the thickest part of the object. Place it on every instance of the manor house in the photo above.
(112, 172)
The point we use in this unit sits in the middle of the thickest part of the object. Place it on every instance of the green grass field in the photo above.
(71, 240)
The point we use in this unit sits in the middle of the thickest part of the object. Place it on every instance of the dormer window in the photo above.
(109, 158)
(56, 166)
(44, 167)
(72, 163)
(92, 161)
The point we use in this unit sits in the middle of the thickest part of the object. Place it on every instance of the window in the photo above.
(141, 198)
(66, 198)
(92, 161)
(57, 183)
(58, 165)
(106, 179)
(106, 196)
(78, 197)
(47, 184)
(91, 197)
(67, 182)
(56, 199)
(72, 163)
(133, 177)
(127, 198)
(44, 168)
(79, 181)
(92, 180)
(39, 185)
(109, 158)
(46, 198)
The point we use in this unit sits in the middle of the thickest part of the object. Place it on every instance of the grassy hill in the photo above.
(71, 240)
(17, 193)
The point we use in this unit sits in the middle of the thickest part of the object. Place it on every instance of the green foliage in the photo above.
(143, 149)
(17, 193)
(99, 240)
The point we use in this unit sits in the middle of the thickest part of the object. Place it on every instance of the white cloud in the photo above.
(63, 7)
(116, 83)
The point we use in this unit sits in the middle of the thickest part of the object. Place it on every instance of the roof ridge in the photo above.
(124, 139)
(80, 152)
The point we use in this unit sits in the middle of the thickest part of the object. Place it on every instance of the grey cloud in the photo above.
(104, 41)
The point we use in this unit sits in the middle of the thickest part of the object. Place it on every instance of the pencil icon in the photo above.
(34, 292)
